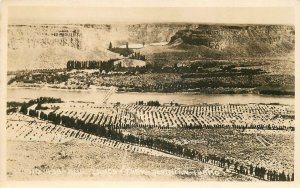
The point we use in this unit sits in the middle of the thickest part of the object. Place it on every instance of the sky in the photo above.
(98, 15)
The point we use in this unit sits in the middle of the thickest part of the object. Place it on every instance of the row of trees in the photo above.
(163, 146)
(72, 64)
(106, 66)
(102, 65)
(149, 103)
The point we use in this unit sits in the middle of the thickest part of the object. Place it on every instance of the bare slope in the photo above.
(54, 57)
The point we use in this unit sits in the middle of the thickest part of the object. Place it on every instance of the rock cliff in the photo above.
(89, 36)
(249, 40)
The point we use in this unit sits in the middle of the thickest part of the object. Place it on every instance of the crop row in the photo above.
(250, 116)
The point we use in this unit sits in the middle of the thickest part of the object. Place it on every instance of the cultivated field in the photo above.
(273, 149)
(255, 134)
(72, 154)
(240, 116)
(25, 128)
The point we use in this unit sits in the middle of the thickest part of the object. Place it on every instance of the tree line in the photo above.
(149, 103)
(102, 65)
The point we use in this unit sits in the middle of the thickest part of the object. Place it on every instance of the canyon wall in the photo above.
(52, 45)
(89, 36)
(259, 39)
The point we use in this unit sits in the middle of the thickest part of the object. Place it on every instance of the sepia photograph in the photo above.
(145, 93)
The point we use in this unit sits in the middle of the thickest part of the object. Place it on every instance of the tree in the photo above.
(110, 45)
(24, 108)
(251, 169)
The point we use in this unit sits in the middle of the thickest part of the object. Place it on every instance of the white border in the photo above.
(141, 3)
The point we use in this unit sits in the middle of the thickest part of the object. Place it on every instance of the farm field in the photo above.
(241, 116)
(271, 149)
(25, 128)
(85, 156)
(246, 135)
